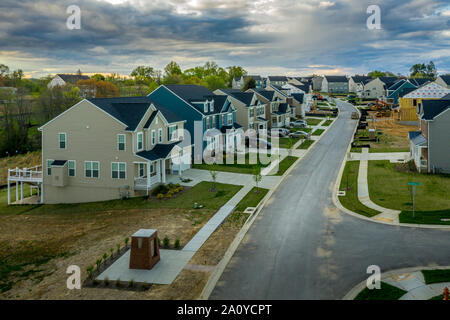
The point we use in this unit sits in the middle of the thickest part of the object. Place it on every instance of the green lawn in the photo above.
(200, 193)
(252, 199)
(300, 129)
(436, 276)
(387, 292)
(439, 297)
(246, 168)
(305, 144)
(327, 123)
(285, 164)
(318, 132)
(349, 184)
(313, 122)
(284, 142)
(389, 188)
(386, 143)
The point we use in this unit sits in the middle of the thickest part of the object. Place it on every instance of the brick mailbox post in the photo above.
(144, 249)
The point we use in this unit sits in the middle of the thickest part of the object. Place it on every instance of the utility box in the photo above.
(144, 249)
(372, 134)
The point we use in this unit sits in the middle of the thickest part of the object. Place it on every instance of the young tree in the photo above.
(213, 172)
(249, 84)
(257, 177)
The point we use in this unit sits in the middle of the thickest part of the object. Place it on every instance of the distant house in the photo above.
(250, 110)
(443, 81)
(238, 83)
(430, 146)
(280, 109)
(211, 116)
(409, 102)
(317, 83)
(63, 79)
(356, 83)
(377, 88)
(335, 84)
(302, 97)
(401, 88)
(277, 80)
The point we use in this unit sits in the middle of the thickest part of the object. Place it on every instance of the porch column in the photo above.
(21, 191)
(17, 190)
(163, 169)
(148, 176)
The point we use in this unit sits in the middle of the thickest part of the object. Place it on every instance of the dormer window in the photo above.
(140, 141)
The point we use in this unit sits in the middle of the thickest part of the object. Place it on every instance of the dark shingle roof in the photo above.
(361, 79)
(446, 97)
(405, 91)
(417, 138)
(244, 97)
(72, 78)
(268, 94)
(130, 110)
(283, 108)
(160, 151)
(304, 87)
(256, 78)
(58, 163)
(446, 78)
(397, 84)
(432, 108)
(190, 92)
(278, 78)
(419, 81)
(298, 97)
(388, 81)
(336, 78)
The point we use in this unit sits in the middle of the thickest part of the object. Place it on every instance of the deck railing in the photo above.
(25, 174)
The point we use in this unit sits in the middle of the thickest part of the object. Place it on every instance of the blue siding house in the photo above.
(209, 118)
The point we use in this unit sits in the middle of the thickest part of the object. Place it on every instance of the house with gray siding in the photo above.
(335, 84)
(430, 145)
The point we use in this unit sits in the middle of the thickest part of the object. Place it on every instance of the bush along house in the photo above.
(111, 148)
(210, 118)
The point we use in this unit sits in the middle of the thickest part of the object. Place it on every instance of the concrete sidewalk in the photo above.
(386, 215)
(391, 156)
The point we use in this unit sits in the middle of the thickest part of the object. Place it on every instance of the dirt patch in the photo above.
(392, 127)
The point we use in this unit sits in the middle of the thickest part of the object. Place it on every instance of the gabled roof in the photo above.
(256, 78)
(446, 97)
(433, 108)
(160, 151)
(283, 108)
(419, 81)
(190, 92)
(417, 138)
(131, 110)
(72, 78)
(430, 90)
(388, 81)
(404, 91)
(228, 90)
(268, 94)
(397, 84)
(446, 78)
(244, 97)
(298, 97)
(361, 79)
(303, 87)
(336, 78)
(278, 78)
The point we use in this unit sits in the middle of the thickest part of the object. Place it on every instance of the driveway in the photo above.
(302, 247)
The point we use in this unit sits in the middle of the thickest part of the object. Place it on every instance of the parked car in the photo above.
(282, 132)
(299, 124)
(299, 134)
(253, 142)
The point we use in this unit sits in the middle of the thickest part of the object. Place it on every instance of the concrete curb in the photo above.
(338, 204)
(217, 273)
(351, 295)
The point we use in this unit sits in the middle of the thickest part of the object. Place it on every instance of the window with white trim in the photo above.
(72, 168)
(62, 138)
(121, 142)
(160, 135)
(140, 141)
(118, 170)
(141, 168)
(153, 137)
(230, 119)
(173, 133)
(91, 169)
(49, 167)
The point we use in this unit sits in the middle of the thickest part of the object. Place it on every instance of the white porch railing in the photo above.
(33, 174)
(141, 183)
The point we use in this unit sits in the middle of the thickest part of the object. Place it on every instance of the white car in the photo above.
(282, 132)
(299, 134)
(299, 124)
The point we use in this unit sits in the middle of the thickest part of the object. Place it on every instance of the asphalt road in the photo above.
(302, 247)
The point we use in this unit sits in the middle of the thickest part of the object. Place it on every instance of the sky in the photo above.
(266, 37)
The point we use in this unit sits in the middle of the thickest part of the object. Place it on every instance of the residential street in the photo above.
(302, 247)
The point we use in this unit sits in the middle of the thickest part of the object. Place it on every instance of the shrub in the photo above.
(89, 271)
(118, 247)
(160, 189)
(111, 251)
(166, 241)
(169, 195)
(160, 196)
(98, 262)
(177, 244)
(126, 241)
(105, 256)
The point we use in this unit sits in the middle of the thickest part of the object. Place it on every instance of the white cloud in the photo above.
(326, 4)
